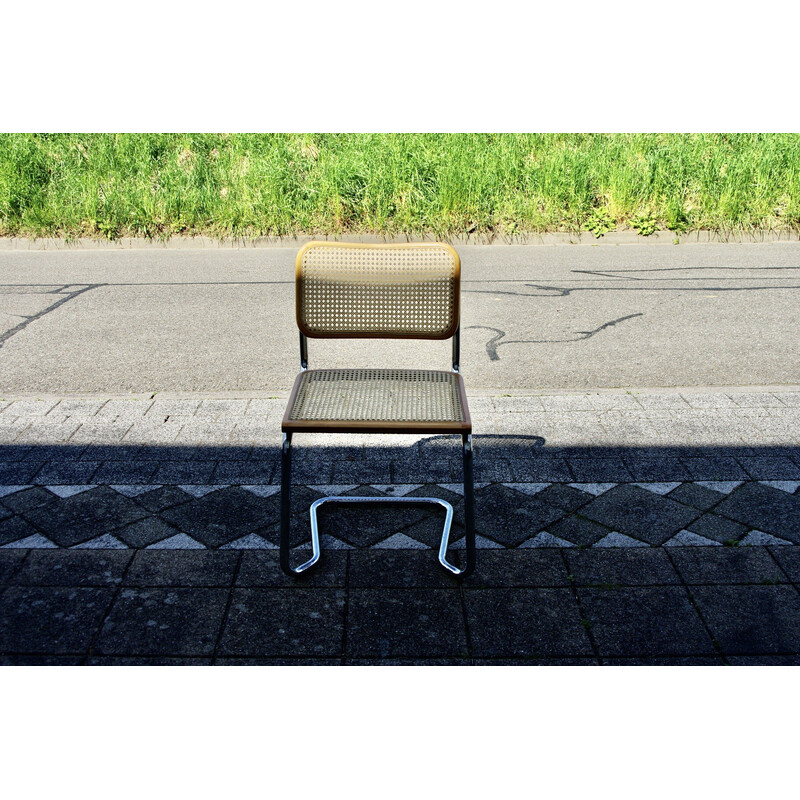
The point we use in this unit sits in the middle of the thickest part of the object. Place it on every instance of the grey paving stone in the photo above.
(765, 509)
(697, 565)
(510, 517)
(578, 530)
(632, 566)
(397, 569)
(720, 529)
(769, 468)
(222, 516)
(182, 568)
(789, 559)
(73, 568)
(718, 468)
(14, 530)
(162, 498)
(162, 621)
(517, 568)
(19, 473)
(126, 472)
(262, 568)
(184, 472)
(656, 469)
(50, 620)
(513, 622)
(599, 470)
(284, 622)
(145, 532)
(246, 472)
(10, 561)
(691, 494)
(84, 516)
(751, 620)
(67, 473)
(28, 499)
(566, 497)
(411, 623)
(640, 513)
(644, 621)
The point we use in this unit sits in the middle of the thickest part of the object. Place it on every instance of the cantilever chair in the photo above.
(405, 291)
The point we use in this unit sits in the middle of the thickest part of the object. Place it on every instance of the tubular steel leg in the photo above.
(286, 490)
(469, 504)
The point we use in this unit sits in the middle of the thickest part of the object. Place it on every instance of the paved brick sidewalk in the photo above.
(144, 529)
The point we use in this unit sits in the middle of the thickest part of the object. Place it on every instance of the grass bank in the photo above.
(221, 185)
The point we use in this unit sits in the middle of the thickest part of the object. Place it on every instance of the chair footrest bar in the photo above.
(448, 521)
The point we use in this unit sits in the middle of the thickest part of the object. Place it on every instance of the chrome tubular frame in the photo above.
(303, 352)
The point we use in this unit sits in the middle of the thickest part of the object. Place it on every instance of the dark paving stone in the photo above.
(278, 662)
(769, 468)
(510, 517)
(145, 661)
(185, 472)
(525, 622)
(726, 565)
(17, 452)
(415, 471)
(163, 497)
(60, 620)
(599, 470)
(284, 622)
(246, 472)
(9, 564)
(410, 623)
(67, 473)
(182, 568)
(535, 662)
(657, 469)
(262, 568)
(40, 661)
(170, 621)
(126, 472)
(73, 568)
(640, 513)
(666, 661)
(789, 559)
(145, 532)
(55, 452)
(518, 568)
(84, 516)
(578, 530)
(110, 452)
(222, 516)
(566, 497)
(719, 468)
(428, 531)
(19, 473)
(399, 569)
(764, 661)
(751, 620)
(158, 454)
(652, 621)
(691, 494)
(621, 567)
(764, 508)
(28, 499)
(717, 528)
(14, 530)
(299, 527)
(5, 513)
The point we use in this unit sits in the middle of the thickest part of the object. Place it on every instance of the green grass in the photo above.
(158, 185)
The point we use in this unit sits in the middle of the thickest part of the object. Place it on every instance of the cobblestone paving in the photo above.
(614, 528)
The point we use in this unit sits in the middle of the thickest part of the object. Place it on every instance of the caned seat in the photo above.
(378, 401)
(407, 291)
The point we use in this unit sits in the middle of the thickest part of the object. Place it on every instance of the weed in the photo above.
(600, 222)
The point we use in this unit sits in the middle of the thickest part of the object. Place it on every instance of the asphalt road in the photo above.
(555, 317)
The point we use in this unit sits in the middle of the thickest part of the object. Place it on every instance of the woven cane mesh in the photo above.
(378, 395)
(378, 291)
